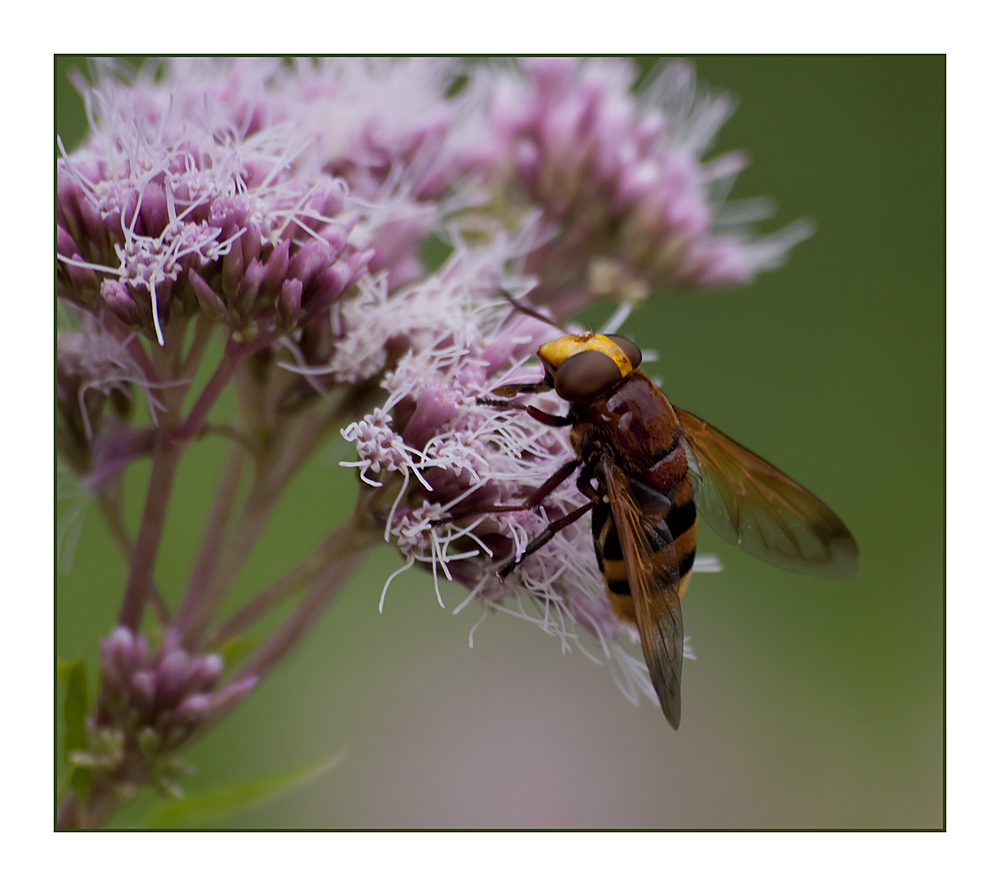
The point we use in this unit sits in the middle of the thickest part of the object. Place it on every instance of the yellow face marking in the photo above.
(556, 351)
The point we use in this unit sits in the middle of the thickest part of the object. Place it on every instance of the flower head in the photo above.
(387, 127)
(151, 703)
(161, 216)
(620, 175)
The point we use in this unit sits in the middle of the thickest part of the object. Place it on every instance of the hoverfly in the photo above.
(645, 468)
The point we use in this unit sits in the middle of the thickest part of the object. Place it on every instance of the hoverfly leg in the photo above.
(536, 498)
(538, 387)
(583, 484)
(556, 526)
(550, 485)
(544, 537)
(546, 418)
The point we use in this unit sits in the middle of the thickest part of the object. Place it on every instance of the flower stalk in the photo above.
(166, 458)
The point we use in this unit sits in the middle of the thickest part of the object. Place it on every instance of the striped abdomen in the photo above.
(667, 543)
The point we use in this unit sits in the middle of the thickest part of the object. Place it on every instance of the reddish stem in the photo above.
(224, 372)
(212, 543)
(305, 616)
(279, 591)
(166, 457)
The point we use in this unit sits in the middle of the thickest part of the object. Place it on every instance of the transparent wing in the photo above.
(750, 503)
(654, 591)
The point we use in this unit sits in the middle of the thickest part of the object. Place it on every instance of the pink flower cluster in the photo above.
(341, 230)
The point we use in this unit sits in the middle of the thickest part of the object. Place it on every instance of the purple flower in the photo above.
(380, 121)
(150, 704)
(161, 216)
(388, 128)
(171, 691)
(620, 176)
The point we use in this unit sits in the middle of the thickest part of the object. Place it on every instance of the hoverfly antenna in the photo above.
(531, 312)
(615, 321)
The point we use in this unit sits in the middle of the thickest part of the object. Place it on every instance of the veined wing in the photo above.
(750, 503)
(654, 585)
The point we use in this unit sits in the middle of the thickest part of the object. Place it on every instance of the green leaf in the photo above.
(199, 809)
(73, 675)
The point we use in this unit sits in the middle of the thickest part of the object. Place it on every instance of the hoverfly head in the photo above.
(579, 367)
(584, 367)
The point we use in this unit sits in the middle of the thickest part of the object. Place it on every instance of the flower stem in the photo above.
(101, 804)
(215, 385)
(166, 457)
(202, 335)
(285, 455)
(279, 591)
(111, 511)
(203, 599)
(352, 546)
(212, 541)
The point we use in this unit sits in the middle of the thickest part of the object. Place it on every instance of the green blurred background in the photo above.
(811, 704)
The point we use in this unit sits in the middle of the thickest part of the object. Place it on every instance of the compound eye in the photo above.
(586, 375)
(630, 348)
